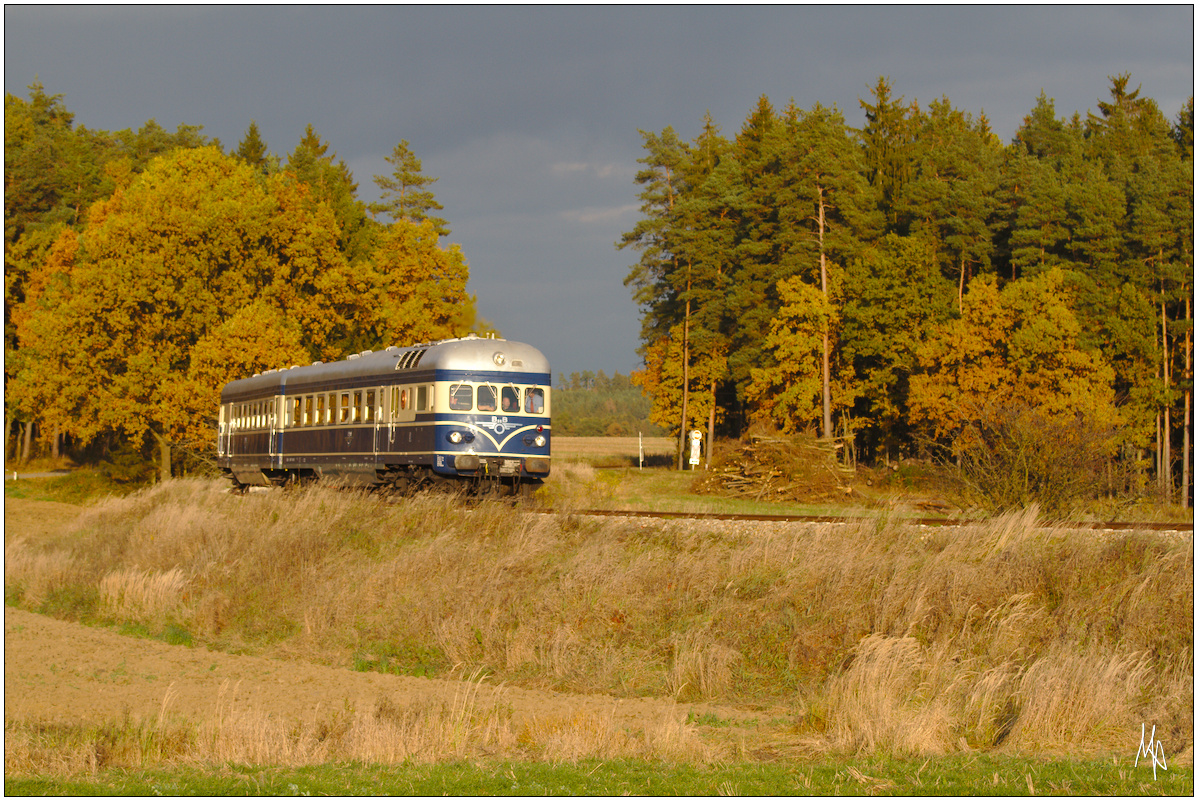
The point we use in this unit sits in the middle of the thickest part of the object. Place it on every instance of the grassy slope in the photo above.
(971, 630)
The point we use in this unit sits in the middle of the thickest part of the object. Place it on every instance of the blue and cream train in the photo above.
(471, 413)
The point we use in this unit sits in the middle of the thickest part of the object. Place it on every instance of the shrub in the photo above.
(1014, 456)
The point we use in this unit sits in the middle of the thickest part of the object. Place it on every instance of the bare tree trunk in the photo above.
(962, 280)
(683, 428)
(1168, 484)
(164, 456)
(712, 425)
(1187, 408)
(826, 401)
(27, 444)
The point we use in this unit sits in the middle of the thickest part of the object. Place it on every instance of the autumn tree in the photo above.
(1020, 343)
(163, 264)
(413, 290)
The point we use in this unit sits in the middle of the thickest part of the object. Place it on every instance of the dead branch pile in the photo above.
(775, 467)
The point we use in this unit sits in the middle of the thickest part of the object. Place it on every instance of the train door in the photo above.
(374, 412)
(222, 430)
(274, 416)
(391, 400)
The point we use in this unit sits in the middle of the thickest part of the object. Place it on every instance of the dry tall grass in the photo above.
(476, 724)
(884, 636)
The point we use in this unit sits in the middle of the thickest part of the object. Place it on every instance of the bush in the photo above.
(1014, 456)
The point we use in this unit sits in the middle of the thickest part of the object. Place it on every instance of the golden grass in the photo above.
(882, 636)
(142, 596)
(476, 724)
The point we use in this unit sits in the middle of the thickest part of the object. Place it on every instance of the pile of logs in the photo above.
(775, 467)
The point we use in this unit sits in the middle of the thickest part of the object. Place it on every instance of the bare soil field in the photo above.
(625, 449)
(62, 672)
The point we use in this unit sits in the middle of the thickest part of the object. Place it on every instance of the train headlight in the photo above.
(455, 437)
(539, 440)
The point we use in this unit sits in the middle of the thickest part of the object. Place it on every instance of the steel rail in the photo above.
(927, 522)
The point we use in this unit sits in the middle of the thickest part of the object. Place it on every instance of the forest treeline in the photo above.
(915, 285)
(594, 404)
(145, 269)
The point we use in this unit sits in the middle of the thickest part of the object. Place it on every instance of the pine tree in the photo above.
(663, 182)
(253, 151)
(332, 183)
(952, 194)
(886, 140)
(828, 212)
(405, 193)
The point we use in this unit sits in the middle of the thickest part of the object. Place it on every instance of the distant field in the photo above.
(607, 451)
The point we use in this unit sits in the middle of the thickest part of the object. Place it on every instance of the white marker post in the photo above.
(696, 436)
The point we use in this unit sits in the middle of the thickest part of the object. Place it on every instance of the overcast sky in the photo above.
(529, 115)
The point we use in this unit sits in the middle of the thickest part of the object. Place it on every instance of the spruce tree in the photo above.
(252, 150)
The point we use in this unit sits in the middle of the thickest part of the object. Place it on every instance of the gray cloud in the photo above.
(529, 115)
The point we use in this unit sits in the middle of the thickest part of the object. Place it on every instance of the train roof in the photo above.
(470, 353)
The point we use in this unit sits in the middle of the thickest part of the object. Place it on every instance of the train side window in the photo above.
(423, 398)
(320, 418)
(356, 414)
(404, 399)
(486, 399)
(345, 409)
(297, 411)
(369, 410)
(535, 400)
(460, 397)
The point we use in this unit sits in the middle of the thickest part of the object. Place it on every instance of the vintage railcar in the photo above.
(470, 413)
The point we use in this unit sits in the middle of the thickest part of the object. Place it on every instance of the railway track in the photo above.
(1111, 526)
(926, 522)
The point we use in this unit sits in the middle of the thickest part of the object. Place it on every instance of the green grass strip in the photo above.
(951, 775)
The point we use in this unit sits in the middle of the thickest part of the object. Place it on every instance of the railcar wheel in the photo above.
(443, 486)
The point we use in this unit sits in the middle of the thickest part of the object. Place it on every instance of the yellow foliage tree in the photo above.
(107, 339)
(1016, 346)
(417, 289)
(787, 390)
(662, 379)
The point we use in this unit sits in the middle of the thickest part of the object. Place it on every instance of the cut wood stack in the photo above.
(775, 467)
